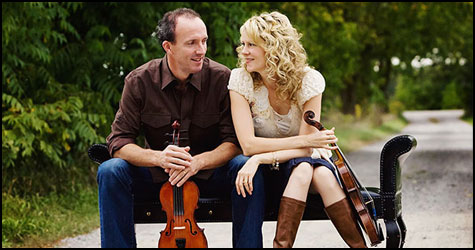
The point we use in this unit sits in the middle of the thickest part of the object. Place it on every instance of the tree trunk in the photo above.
(348, 96)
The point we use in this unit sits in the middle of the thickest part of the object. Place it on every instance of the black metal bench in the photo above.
(387, 198)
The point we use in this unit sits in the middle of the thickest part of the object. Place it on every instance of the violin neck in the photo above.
(340, 154)
(178, 207)
(342, 158)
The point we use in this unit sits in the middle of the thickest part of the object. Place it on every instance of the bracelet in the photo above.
(275, 162)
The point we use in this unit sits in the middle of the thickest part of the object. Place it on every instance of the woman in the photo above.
(269, 92)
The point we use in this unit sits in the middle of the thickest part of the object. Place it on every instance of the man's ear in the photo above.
(166, 46)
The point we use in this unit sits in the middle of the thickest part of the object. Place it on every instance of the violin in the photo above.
(352, 186)
(180, 203)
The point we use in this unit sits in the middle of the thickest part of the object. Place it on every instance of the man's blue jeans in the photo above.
(120, 183)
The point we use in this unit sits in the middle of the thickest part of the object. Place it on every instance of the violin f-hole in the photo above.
(169, 232)
(191, 227)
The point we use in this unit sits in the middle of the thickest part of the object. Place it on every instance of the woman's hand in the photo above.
(321, 139)
(245, 176)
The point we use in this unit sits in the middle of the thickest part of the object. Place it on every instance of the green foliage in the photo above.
(430, 88)
(45, 123)
(352, 44)
(450, 98)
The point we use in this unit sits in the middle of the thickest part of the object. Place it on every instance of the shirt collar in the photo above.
(168, 77)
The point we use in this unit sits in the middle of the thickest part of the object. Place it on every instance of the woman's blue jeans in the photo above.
(120, 183)
(248, 213)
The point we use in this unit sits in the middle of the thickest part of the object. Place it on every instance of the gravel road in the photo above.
(437, 198)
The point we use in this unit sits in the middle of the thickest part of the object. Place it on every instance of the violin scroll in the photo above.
(176, 125)
(308, 117)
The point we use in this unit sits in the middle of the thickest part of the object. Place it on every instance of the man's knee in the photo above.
(112, 168)
(238, 161)
(236, 164)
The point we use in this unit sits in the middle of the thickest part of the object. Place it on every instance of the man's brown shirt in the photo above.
(151, 101)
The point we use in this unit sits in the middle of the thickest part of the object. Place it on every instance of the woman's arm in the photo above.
(305, 129)
(309, 137)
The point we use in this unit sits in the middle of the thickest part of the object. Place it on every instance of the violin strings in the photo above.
(356, 177)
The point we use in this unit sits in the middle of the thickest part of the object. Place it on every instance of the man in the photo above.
(182, 86)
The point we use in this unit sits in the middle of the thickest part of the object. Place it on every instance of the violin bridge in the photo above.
(179, 228)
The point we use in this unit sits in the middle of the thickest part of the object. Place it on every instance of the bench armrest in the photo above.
(99, 153)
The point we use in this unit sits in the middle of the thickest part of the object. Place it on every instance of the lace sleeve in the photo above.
(241, 82)
(313, 84)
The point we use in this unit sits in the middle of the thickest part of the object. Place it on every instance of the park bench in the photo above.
(387, 198)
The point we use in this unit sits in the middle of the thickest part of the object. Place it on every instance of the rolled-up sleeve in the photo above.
(126, 125)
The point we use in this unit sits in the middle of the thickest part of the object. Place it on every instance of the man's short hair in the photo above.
(165, 30)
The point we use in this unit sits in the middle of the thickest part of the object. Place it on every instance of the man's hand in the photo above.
(179, 177)
(174, 157)
(207, 160)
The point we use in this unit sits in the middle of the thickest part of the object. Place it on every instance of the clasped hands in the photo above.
(179, 164)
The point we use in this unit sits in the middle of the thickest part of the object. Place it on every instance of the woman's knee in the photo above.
(302, 173)
(323, 178)
(322, 173)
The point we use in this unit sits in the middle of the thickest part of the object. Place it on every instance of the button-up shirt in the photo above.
(152, 100)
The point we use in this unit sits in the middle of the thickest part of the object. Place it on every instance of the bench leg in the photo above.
(402, 226)
(393, 234)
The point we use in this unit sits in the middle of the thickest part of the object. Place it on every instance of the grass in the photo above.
(41, 221)
(468, 120)
(355, 133)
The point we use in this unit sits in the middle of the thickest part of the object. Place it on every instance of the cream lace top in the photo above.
(267, 122)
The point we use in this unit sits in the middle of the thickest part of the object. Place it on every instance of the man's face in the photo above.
(188, 51)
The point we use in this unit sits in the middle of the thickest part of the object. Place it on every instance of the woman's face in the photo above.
(253, 55)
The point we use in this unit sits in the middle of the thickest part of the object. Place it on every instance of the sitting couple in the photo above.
(264, 154)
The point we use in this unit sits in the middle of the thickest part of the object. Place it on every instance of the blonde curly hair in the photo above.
(285, 56)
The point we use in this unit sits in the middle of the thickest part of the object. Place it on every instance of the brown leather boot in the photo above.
(288, 221)
(345, 221)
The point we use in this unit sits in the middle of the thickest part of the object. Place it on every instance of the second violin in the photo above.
(351, 186)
